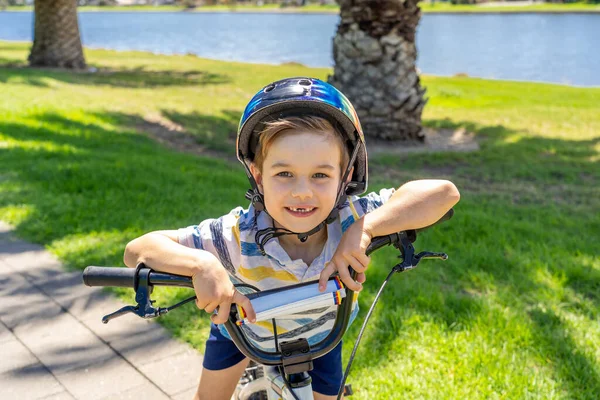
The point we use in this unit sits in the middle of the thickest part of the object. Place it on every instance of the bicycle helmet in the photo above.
(301, 96)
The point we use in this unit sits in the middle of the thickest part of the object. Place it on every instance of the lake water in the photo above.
(560, 48)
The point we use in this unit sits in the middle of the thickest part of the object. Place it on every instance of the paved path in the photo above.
(54, 345)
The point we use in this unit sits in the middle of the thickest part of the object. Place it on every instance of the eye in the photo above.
(320, 175)
(284, 174)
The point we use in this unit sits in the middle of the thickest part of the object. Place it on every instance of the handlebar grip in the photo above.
(109, 276)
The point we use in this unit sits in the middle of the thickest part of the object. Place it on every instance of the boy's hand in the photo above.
(350, 252)
(214, 289)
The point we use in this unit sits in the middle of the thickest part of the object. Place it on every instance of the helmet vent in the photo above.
(304, 82)
(269, 88)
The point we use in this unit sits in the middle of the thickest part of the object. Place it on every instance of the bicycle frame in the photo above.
(273, 384)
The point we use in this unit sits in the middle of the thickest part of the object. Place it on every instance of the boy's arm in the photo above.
(161, 251)
(414, 205)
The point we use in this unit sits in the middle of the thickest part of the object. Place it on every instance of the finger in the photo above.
(223, 315)
(347, 279)
(354, 263)
(361, 277)
(201, 304)
(325, 274)
(244, 302)
(362, 258)
(211, 307)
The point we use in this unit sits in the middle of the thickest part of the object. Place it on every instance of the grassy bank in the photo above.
(426, 7)
(512, 314)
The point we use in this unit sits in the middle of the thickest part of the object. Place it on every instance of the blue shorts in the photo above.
(221, 353)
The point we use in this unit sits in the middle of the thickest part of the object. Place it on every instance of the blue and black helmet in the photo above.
(304, 96)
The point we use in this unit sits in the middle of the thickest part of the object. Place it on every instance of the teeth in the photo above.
(302, 210)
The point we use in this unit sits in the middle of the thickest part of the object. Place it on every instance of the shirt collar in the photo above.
(273, 247)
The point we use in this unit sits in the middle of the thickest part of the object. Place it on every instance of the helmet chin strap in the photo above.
(257, 199)
(264, 235)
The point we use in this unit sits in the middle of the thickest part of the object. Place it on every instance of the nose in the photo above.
(301, 189)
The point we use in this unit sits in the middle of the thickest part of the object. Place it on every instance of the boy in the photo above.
(303, 150)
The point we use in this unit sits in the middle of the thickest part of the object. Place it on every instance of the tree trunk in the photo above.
(56, 40)
(374, 52)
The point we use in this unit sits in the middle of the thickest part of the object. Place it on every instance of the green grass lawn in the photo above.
(426, 7)
(513, 313)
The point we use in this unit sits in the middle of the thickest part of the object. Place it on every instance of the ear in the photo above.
(257, 176)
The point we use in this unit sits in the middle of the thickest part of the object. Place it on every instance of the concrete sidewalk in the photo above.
(54, 345)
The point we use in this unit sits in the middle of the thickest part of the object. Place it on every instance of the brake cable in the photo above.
(362, 329)
(166, 310)
(409, 261)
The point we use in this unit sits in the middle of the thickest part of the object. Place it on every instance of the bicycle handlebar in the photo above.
(128, 277)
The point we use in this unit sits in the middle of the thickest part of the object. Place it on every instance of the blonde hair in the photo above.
(291, 125)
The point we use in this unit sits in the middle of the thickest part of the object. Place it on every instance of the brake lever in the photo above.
(409, 259)
(144, 308)
(118, 313)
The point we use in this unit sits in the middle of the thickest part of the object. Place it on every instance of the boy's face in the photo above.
(300, 178)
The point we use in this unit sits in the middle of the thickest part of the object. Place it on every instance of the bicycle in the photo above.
(281, 374)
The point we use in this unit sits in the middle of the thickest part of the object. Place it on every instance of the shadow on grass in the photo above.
(455, 296)
(81, 179)
(527, 208)
(116, 77)
(574, 365)
(11, 63)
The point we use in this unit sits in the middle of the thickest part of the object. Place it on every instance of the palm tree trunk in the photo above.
(56, 39)
(374, 52)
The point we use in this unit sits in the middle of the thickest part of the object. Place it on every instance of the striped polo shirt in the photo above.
(231, 238)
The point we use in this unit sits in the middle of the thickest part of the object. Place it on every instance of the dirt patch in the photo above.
(436, 140)
(292, 64)
(175, 136)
